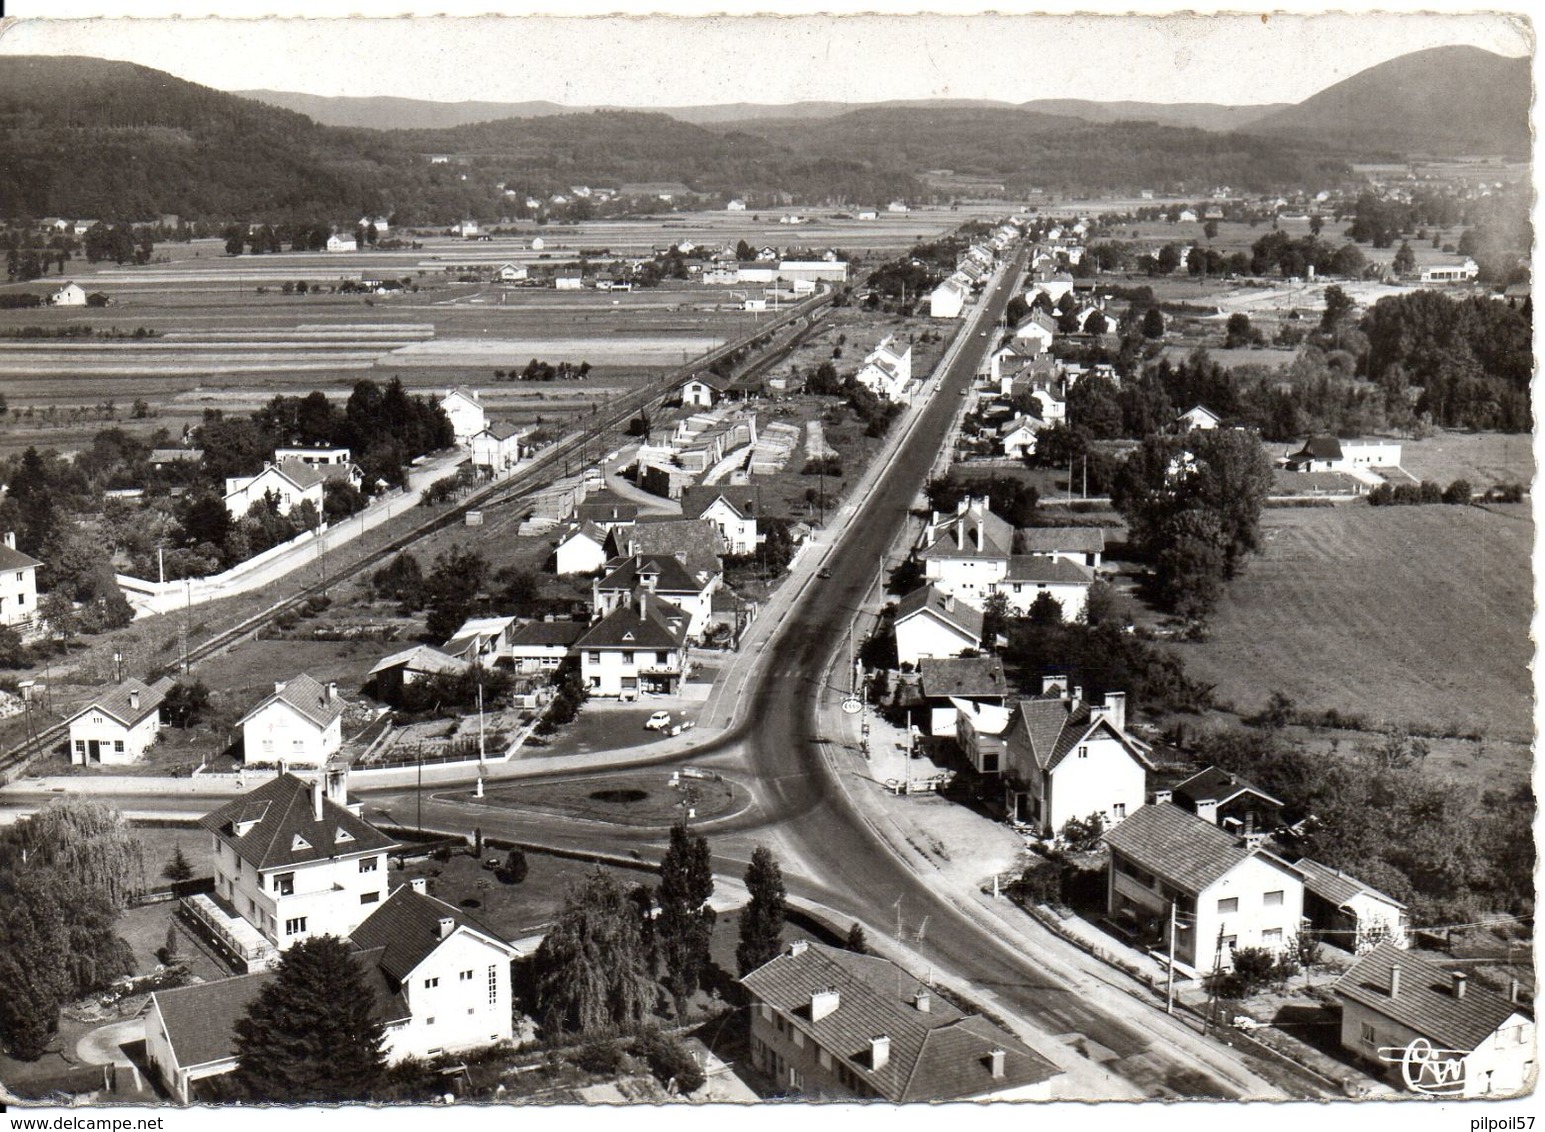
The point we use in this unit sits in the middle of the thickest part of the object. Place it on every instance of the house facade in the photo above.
(1353, 915)
(299, 724)
(662, 575)
(731, 511)
(290, 485)
(638, 648)
(465, 409)
(701, 391)
(1082, 546)
(1422, 1026)
(931, 623)
(581, 550)
(1030, 575)
(1065, 759)
(830, 1024)
(117, 728)
(541, 647)
(18, 584)
(967, 553)
(1227, 892)
(497, 446)
(70, 295)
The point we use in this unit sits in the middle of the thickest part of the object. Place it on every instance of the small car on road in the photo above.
(659, 721)
(824, 572)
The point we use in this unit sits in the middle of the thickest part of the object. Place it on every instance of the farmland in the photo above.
(1413, 616)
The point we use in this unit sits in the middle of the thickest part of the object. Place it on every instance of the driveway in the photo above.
(104, 1045)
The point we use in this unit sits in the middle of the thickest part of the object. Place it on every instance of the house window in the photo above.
(284, 884)
(80, 746)
(493, 985)
(465, 976)
(595, 657)
(1228, 906)
(990, 763)
(368, 864)
(430, 984)
(1271, 937)
(369, 897)
(1365, 1033)
(799, 1037)
(21, 599)
(627, 656)
(1231, 941)
(796, 1078)
(824, 1058)
(1274, 899)
(1083, 752)
(118, 745)
(296, 926)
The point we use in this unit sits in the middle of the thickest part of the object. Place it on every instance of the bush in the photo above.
(669, 1059)
(515, 868)
(1040, 883)
(602, 1056)
(1084, 835)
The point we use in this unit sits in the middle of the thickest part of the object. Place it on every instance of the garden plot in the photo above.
(617, 349)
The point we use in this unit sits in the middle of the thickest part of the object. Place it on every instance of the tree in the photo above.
(452, 588)
(995, 618)
(1168, 258)
(685, 923)
(185, 704)
(515, 868)
(856, 940)
(1404, 262)
(1338, 305)
(179, 868)
(1238, 330)
(1153, 323)
(1210, 229)
(761, 920)
(592, 970)
(1045, 610)
(312, 1035)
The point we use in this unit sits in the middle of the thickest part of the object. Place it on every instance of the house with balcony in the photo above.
(18, 584)
(1418, 1022)
(118, 726)
(292, 859)
(1227, 891)
(541, 647)
(1065, 758)
(1227, 800)
(637, 649)
(299, 724)
(831, 1024)
(439, 981)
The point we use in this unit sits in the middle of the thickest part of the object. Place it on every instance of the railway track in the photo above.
(551, 465)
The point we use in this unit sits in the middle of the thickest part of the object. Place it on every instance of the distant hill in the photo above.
(1189, 115)
(1445, 100)
(386, 113)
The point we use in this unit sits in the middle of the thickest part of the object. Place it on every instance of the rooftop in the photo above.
(1064, 540)
(1181, 848)
(406, 929)
(1041, 568)
(1426, 1002)
(966, 677)
(314, 702)
(1214, 785)
(644, 622)
(276, 825)
(1336, 887)
(129, 702)
(956, 613)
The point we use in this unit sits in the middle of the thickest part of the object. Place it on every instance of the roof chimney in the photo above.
(10, 540)
(1077, 696)
(1116, 708)
(980, 537)
(949, 603)
(134, 699)
(1460, 982)
(316, 798)
(447, 926)
(419, 885)
(995, 1062)
(798, 948)
(823, 1003)
(1050, 684)
(1162, 797)
(278, 686)
(332, 690)
(1394, 981)
(923, 1001)
(879, 1051)
(1512, 989)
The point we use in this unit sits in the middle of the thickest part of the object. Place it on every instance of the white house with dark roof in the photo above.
(70, 295)
(289, 484)
(498, 446)
(1082, 546)
(18, 584)
(949, 298)
(190, 1032)
(538, 647)
(1420, 1023)
(1226, 799)
(464, 407)
(703, 390)
(421, 662)
(1227, 891)
(1017, 437)
(118, 727)
(944, 683)
(966, 553)
(663, 575)
(481, 640)
(637, 648)
(1065, 759)
(299, 724)
(931, 623)
(696, 542)
(1197, 417)
(1354, 916)
(731, 509)
(1030, 575)
(831, 1024)
(581, 550)
(294, 859)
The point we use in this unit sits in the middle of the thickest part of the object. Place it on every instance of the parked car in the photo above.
(824, 572)
(659, 721)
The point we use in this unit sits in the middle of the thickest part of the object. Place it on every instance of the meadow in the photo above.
(1412, 616)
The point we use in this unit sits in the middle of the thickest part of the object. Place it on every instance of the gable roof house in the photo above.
(946, 682)
(1066, 758)
(833, 1024)
(887, 371)
(949, 298)
(1028, 576)
(1017, 437)
(118, 726)
(1427, 1028)
(965, 553)
(1081, 546)
(1227, 891)
(732, 510)
(421, 662)
(542, 646)
(293, 859)
(480, 640)
(299, 724)
(580, 550)
(498, 446)
(290, 484)
(606, 509)
(931, 623)
(1355, 916)
(638, 648)
(1227, 800)
(695, 541)
(703, 390)
(464, 407)
(1197, 417)
(661, 574)
(69, 295)
(18, 584)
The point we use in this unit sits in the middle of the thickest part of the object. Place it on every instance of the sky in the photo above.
(680, 61)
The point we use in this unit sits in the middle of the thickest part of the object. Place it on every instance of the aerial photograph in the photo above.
(703, 561)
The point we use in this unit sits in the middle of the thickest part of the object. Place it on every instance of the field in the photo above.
(1483, 458)
(1403, 615)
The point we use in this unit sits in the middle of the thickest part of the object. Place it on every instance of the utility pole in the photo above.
(1169, 993)
(480, 727)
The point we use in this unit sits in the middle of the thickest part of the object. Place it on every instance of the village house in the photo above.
(736, 205)
(696, 542)
(1028, 576)
(1197, 417)
(299, 724)
(607, 510)
(1226, 891)
(314, 457)
(119, 726)
(981, 732)
(662, 575)
(1466, 272)
(581, 550)
(162, 457)
(887, 371)
(1423, 1026)
(831, 1024)
(638, 648)
(512, 273)
(949, 298)
(391, 674)
(1082, 546)
(497, 446)
(966, 553)
(540, 647)
(931, 623)
(1037, 327)
(1065, 759)
(1331, 454)
(702, 391)
(465, 409)
(481, 640)
(18, 584)
(1350, 914)
(288, 486)
(340, 243)
(439, 977)
(569, 277)
(69, 295)
(944, 683)
(1227, 800)
(731, 509)
(1016, 437)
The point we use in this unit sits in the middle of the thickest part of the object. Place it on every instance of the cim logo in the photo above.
(1432, 1072)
